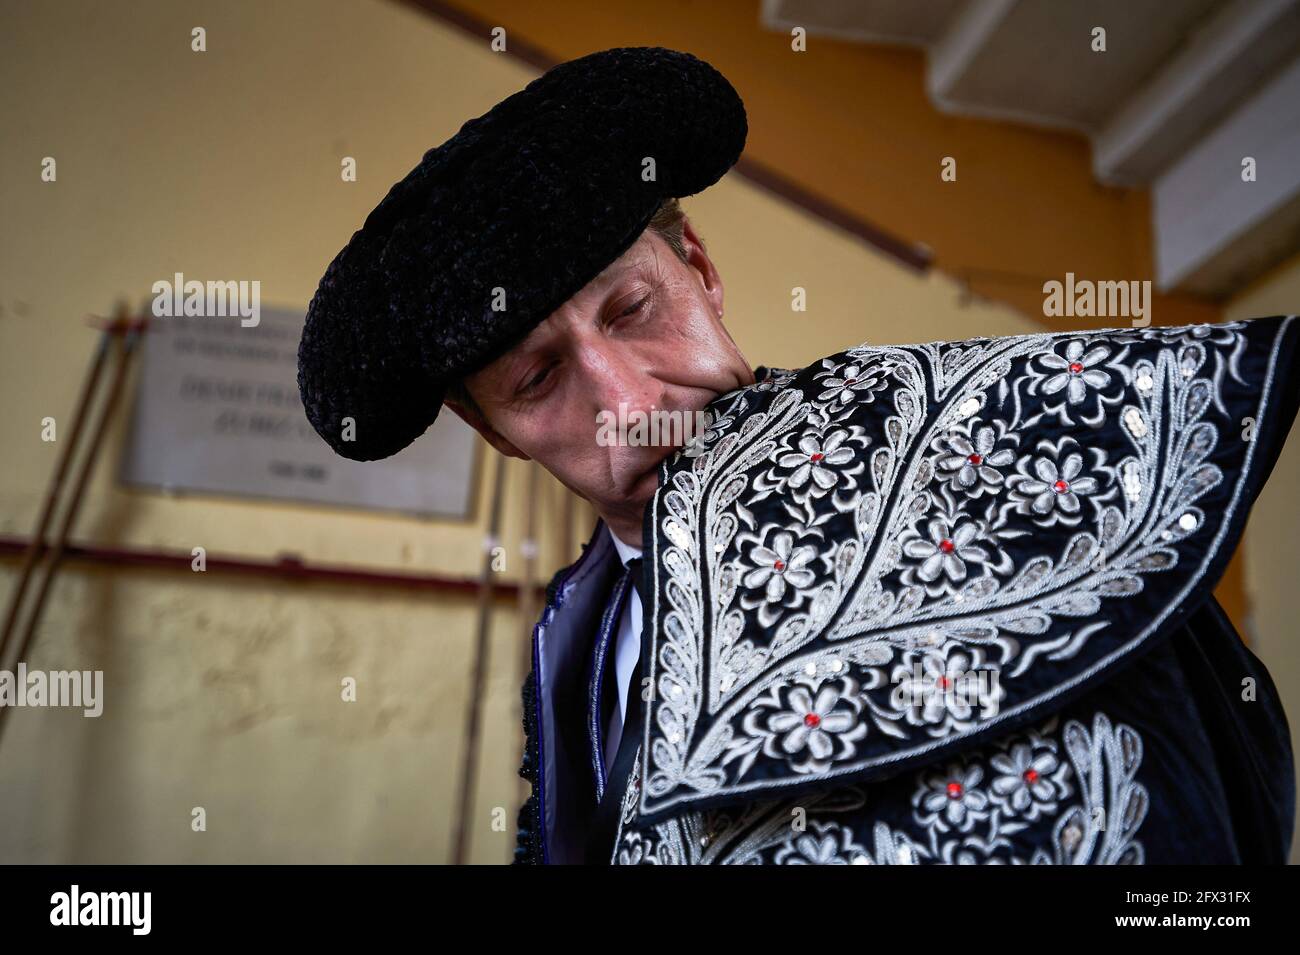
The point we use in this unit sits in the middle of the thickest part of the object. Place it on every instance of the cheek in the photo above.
(687, 315)
(693, 334)
(561, 439)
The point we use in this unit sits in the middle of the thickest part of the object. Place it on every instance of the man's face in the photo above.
(646, 333)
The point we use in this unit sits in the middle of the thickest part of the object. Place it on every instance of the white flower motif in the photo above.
(807, 732)
(779, 565)
(1051, 493)
(816, 462)
(851, 382)
(972, 466)
(774, 378)
(1077, 373)
(942, 688)
(1026, 782)
(812, 724)
(952, 799)
(1217, 333)
(942, 552)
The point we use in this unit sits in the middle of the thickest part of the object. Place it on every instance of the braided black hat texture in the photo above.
(522, 207)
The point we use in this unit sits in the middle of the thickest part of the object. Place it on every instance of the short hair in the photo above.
(667, 223)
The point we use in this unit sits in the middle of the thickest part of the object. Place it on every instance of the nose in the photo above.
(615, 375)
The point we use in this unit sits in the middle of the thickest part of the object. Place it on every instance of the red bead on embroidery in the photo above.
(954, 790)
(975, 459)
(1076, 367)
(947, 546)
(1061, 487)
(779, 565)
(815, 457)
(1031, 776)
(812, 719)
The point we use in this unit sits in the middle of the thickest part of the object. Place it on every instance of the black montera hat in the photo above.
(498, 227)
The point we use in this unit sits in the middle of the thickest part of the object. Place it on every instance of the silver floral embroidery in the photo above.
(895, 553)
(848, 382)
(972, 461)
(1051, 492)
(1047, 795)
(713, 425)
(809, 731)
(922, 681)
(1078, 371)
(944, 550)
(780, 574)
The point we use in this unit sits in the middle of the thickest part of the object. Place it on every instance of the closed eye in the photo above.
(634, 308)
(532, 383)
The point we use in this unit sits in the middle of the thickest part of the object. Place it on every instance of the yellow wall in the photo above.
(223, 692)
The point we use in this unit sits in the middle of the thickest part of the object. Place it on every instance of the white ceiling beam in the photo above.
(1214, 232)
(951, 57)
(1225, 58)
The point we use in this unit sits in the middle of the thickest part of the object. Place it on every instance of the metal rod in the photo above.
(285, 566)
(36, 545)
(50, 567)
(478, 683)
(528, 586)
(566, 528)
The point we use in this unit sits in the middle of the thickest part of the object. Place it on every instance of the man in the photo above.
(945, 603)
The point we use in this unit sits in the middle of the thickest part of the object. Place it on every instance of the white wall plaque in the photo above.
(217, 412)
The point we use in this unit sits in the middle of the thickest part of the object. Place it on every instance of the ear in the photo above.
(480, 424)
(698, 259)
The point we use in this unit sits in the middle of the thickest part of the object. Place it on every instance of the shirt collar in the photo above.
(625, 551)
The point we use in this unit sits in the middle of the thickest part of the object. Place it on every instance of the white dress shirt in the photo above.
(627, 650)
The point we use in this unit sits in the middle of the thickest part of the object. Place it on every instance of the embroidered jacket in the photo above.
(942, 603)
